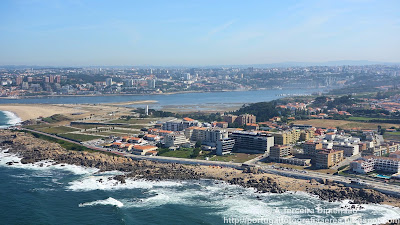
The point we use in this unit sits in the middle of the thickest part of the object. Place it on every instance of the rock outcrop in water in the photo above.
(34, 150)
(358, 196)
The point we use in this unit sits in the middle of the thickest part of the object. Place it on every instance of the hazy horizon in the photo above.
(94, 33)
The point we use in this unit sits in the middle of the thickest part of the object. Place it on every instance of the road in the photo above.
(379, 186)
(346, 161)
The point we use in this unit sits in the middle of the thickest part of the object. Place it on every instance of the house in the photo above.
(152, 137)
(143, 149)
(118, 145)
(135, 140)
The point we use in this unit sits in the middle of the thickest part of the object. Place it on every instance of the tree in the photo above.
(195, 153)
(198, 144)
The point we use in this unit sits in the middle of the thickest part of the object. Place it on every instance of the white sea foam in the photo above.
(108, 201)
(42, 165)
(236, 202)
(13, 119)
(104, 181)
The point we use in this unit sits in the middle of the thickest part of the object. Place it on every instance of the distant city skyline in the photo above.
(189, 33)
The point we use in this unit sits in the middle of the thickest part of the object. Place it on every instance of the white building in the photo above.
(179, 125)
(251, 142)
(151, 83)
(174, 140)
(109, 81)
(224, 146)
(369, 163)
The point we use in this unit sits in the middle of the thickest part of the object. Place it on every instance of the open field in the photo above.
(178, 153)
(56, 130)
(133, 121)
(364, 119)
(80, 137)
(393, 136)
(235, 157)
(344, 124)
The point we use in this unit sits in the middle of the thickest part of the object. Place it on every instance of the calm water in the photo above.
(174, 99)
(31, 194)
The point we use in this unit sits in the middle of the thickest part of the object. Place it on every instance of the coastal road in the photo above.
(379, 186)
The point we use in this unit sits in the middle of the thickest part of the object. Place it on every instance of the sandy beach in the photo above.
(29, 111)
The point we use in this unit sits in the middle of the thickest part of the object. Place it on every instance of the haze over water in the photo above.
(171, 99)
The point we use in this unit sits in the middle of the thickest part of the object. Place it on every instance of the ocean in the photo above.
(67, 194)
(8, 118)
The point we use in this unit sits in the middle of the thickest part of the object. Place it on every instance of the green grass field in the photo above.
(236, 157)
(80, 137)
(56, 130)
(84, 126)
(178, 153)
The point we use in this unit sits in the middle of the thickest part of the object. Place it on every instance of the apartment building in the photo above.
(175, 139)
(279, 151)
(208, 136)
(327, 158)
(224, 146)
(348, 148)
(287, 137)
(370, 163)
(311, 148)
(241, 120)
(363, 165)
(179, 125)
(252, 142)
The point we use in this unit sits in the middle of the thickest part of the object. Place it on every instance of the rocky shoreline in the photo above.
(33, 150)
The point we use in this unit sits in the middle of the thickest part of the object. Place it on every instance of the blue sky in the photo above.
(79, 32)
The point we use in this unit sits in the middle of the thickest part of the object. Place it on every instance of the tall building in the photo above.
(179, 125)
(109, 82)
(240, 120)
(348, 149)
(251, 142)
(311, 148)
(151, 83)
(327, 158)
(287, 137)
(58, 79)
(186, 76)
(18, 80)
(370, 163)
(174, 139)
(224, 146)
(279, 151)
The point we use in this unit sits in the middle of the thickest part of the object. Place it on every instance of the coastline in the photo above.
(13, 118)
(33, 150)
(33, 111)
